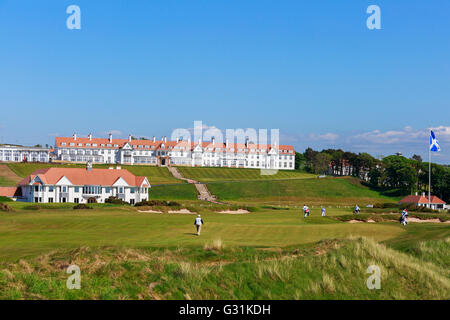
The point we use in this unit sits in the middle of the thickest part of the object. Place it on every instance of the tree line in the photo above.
(395, 172)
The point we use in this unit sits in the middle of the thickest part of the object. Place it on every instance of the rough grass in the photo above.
(238, 174)
(333, 269)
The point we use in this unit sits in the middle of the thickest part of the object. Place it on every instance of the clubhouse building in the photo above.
(79, 185)
(422, 201)
(177, 153)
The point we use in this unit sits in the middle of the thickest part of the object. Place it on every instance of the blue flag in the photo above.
(434, 144)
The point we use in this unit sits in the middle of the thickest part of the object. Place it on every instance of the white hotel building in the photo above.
(79, 185)
(14, 153)
(182, 153)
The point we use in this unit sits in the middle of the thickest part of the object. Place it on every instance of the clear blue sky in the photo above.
(310, 68)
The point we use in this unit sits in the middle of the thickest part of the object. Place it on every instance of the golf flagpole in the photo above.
(429, 174)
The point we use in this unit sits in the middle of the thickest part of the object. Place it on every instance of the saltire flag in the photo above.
(434, 144)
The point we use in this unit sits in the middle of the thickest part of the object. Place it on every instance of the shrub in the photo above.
(81, 206)
(158, 203)
(33, 207)
(5, 207)
(115, 200)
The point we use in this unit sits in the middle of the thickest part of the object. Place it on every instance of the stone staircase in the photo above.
(202, 189)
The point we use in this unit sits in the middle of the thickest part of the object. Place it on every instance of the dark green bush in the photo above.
(81, 206)
(115, 200)
(158, 203)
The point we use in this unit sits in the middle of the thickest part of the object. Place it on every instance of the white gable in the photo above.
(127, 146)
(272, 151)
(63, 181)
(198, 148)
(121, 183)
(146, 183)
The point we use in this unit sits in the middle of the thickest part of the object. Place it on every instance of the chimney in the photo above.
(129, 137)
(178, 139)
(200, 141)
(423, 194)
(416, 193)
(189, 140)
(90, 136)
(111, 167)
(110, 138)
(246, 142)
(165, 139)
(154, 139)
(226, 143)
(118, 167)
(213, 140)
(74, 136)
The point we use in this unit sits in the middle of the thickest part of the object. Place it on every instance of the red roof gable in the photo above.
(421, 200)
(80, 176)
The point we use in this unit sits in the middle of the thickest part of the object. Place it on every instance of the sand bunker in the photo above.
(181, 211)
(426, 220)
(151, 211)
(239, 211)
(371, 221)
(355, 221)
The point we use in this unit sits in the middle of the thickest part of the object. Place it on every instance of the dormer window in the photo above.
(63, 143)
(88, 144)
(146, 147)
(162, 145)
(94, 144)
(116, 145)
(102, 145)
(108, 145)
(80, 144)
(72, 144)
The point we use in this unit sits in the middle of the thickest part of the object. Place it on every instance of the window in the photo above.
(107, 189)
(132, 190)
(36, 188)
(76, 200)
(50, 189)
(132, 201)
(121, 190)
(63, 143)
(50, 200)
(77, 189)
(64, 189)
(36, 199)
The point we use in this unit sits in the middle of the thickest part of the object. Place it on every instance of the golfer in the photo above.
(404, 218)
(323, 211)
(198, 223)
(305, 210)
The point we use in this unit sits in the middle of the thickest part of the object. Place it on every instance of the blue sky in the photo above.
(310, 68)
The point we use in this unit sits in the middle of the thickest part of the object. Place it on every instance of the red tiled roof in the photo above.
(10, 191)
(140, 144)
(80, 176)
(421, 200)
